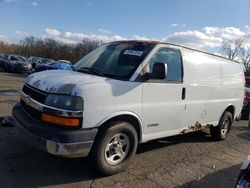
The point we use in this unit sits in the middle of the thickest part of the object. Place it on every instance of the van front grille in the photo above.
(31, 111)
(35, 94)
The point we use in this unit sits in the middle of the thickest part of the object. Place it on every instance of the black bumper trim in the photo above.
(51, 132)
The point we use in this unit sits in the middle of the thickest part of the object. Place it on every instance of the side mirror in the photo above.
(159, 71)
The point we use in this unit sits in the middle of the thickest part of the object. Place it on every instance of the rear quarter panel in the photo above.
(212, 83)
(233, 84)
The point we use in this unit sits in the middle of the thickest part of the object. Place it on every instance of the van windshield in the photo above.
(117, 60)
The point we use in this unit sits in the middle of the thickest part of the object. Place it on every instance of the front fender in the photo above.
(122, 113)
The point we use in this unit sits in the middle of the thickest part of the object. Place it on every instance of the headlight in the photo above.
(65, 102)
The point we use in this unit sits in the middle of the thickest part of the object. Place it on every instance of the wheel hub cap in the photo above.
(117, 149)
(225, 126)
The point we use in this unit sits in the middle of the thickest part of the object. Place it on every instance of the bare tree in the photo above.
(233, 48)
(246, 59)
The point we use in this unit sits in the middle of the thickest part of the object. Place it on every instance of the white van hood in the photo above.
(61, 81)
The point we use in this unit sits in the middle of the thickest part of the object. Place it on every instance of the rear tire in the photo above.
(221, 131)
(114, 147)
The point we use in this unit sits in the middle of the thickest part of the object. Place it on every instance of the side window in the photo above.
(172, 58)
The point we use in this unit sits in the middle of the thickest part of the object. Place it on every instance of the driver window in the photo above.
(172, 58)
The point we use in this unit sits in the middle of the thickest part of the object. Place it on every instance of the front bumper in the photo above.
(55, 140)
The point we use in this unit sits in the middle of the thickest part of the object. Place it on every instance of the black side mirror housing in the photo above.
(158, 71)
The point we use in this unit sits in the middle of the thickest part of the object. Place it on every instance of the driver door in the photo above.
(164, 99)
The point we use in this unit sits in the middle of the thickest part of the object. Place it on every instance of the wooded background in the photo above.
(49, 48)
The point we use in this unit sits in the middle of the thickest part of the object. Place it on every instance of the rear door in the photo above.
(164, 100)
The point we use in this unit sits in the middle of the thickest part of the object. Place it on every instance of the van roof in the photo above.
(155, 42)
(189, 48)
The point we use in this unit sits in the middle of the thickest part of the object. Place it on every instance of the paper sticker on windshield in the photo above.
(133, 52)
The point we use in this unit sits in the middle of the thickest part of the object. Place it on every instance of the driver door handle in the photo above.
(183, 95)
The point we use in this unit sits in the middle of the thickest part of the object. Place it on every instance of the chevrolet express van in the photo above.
(128, 92)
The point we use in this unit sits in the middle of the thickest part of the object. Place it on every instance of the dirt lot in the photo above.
(191, 160)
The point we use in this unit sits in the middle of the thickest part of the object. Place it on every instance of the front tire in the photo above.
(221, 131)
(114, 147)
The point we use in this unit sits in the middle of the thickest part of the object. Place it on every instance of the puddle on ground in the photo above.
(9, 93)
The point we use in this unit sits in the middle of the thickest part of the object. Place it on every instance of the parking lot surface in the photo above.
(191, 160)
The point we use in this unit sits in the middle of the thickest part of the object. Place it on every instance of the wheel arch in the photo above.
(230, 108)
(129, 117)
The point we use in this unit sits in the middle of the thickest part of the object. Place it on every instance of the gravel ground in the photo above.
(191, 160)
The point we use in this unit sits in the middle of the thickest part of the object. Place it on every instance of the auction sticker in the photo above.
(133, 52)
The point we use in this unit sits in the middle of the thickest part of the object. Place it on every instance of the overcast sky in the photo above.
(201, 24)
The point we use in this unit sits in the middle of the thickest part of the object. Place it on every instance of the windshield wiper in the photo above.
(90, 70)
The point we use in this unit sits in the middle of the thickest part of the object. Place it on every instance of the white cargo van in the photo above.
(128, 92)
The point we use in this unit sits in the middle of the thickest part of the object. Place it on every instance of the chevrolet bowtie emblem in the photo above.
(27, 99)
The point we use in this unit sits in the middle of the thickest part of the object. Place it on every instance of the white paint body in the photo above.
(212, 84)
